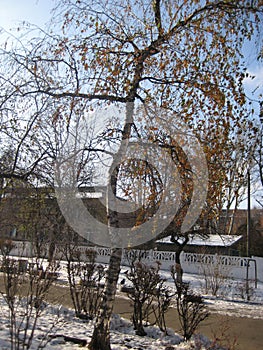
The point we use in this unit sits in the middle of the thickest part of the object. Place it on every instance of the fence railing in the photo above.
(237, 267)
(193, 258)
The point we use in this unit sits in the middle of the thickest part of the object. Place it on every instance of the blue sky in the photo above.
(14, 11)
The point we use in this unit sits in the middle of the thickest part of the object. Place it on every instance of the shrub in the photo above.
(24, 293)
(149, 296)
(215, 276)
(190, 306)
(85, 283)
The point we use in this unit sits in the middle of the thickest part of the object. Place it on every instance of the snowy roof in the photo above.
(209, 240)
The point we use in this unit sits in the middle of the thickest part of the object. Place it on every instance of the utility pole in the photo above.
(249, 191)
(248, 210)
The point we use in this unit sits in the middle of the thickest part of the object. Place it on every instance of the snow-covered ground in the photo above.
(122, 333)
(229, 302)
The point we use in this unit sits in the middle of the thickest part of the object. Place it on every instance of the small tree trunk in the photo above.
(140, 330)
(101, 336)
(178, 267)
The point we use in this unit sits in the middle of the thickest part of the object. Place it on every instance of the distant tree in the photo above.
(229, 174)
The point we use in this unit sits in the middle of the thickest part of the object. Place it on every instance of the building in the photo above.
(211, 244)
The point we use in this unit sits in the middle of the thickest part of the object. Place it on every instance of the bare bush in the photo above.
(190, 306)
(163, 302)
(215, 277)
(149, 296)
(85, 281)
(24, 291)
(222, 336)
(245, 290)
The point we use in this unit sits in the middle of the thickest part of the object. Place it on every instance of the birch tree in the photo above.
(184, 57)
